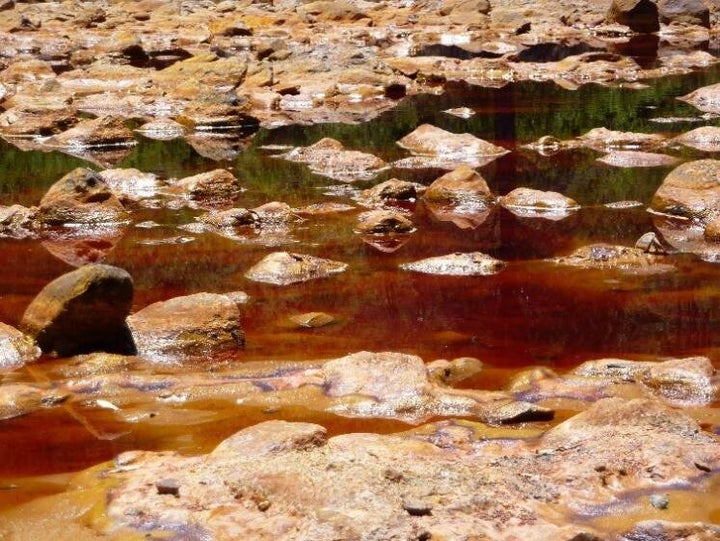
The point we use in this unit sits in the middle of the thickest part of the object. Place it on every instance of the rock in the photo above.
(17, 222)
(691, 190)
(711, 232)
(283, 268)
(671, 531)
(684, 11)
(312, 320)
(604, 140)
(18, 399)
(634, 158)
(706, 99)
(218, 184)
(162, 129)
(705, 138)
(429, 140)
(131, 184)
(446, 372)
(382, 222)
(620, 258)
(640, 15)
(457, 264)
(82, 311)
(527, 202)
(194, 77)
(392, 190)
(217, 116)
(16, 348)
(235, 217)
(285, 481)
(324, 10)
(106, 131)
(80, 197)
(203, 325)
(42, 120)
(330, 158)
(682, 382)
(461, 187)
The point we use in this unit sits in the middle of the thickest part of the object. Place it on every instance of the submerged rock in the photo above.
(283, 268)
(82, 311)
(457, 264)
(202, 325)
(691, 190)
(80, 197)
(16, 348)
(18, 399)
(634, 158)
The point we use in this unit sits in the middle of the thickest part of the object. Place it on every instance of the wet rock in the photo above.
(691, 190)
(462, 187)
(639, 15)
(201, 325)
(17, 222)
(99, 132)
(330, 158)
(216, 116)
(235, 217)
(382, 222)
(634, 158)
(711, 232)
(706, 98)
(446, 372)
(82, 311)
(80, 197)
(457, 264)
(620, 258)
(684, 11)
(682, 382)
(16, 348)
(192, 78)
(18, 399)
(162, 129)
(650, 243)
(284, 268)
(392, 190)
(218, 184)
(312, 320)
(705, 138)
(604, 140)
(131, 185)
(666, 530)
(439, 481)
(43, 120)
(527, 202)
(323, 10)
(429, 140)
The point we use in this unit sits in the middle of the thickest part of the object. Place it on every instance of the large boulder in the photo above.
(80, 197)
(82, 311)
(16, 348)
(193, 326)
(691, 190)
(639, 15)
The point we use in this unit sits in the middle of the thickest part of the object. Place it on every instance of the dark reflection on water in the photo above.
(533, 311)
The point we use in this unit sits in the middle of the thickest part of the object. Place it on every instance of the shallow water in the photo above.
(532, 313)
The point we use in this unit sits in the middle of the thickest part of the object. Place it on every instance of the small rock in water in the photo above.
(312, 320)
(458, 264)
(659, 501)
(283, 268)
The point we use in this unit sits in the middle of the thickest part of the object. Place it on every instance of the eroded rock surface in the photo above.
(621, 258)
(280, 480)
(16, 348)
(458, 264)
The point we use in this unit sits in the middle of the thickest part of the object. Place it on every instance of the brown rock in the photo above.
(200, 325)
(235, 217)
(392, 190)
(17, 222)
(634, 158)
(462, 186)
(131, 184)
(620, 258)
(378, 222)
(684, 11)
(706, 98)
(691, 190)
(429, 140)
(537, 202)
(711, 232)
(37, 120)
(683, 382)
(603, 140)
(18, 399)
(330, 158)
(640, 15)
(457, 264)
(705, 138)
(80, 197)
(323, 10)
(283, 268)
(662, 530)
(215, 184)
(82, 311)
(16, 348)
(192, 78)
(99, 132)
